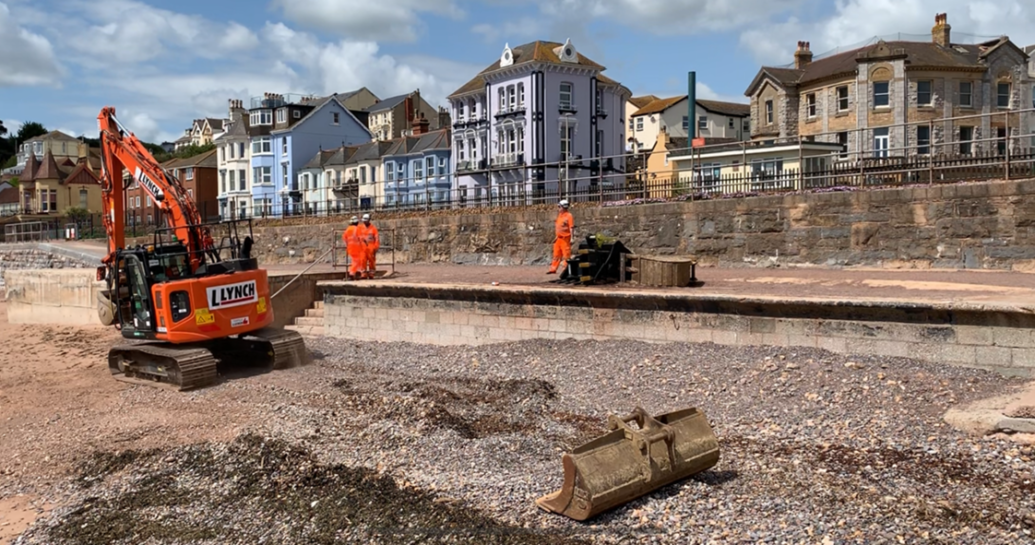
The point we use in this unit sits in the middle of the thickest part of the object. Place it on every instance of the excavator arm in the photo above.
(122, 151)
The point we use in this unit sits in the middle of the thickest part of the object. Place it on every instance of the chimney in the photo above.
(803, 56)
(940, 31)
(421, 126)
(443, 118)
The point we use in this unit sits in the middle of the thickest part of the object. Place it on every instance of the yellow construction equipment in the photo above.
(627, 462)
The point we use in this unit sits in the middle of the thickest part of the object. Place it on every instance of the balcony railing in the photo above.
(508, 160)
(503, 112)
(568, 107)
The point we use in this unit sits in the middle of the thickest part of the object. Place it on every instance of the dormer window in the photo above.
(769, 112)
(282, 115)
(261, 117)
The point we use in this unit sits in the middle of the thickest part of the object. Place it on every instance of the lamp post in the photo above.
(569, 138)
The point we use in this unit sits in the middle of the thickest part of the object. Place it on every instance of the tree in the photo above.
(13, 181)
(30, 129)
(3, 129)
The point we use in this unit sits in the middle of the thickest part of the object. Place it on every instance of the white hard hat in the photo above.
(563, 203)
(366, 217)
(354, 220)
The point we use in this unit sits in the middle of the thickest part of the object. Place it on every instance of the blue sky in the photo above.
(164, 63)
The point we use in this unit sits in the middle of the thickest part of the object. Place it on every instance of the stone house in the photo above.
(395, 116)
(52, 187)
(199, 177)
(883, 99)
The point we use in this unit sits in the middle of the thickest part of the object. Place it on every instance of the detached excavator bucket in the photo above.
(627, 462)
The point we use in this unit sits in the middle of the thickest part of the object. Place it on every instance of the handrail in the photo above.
(299, 275)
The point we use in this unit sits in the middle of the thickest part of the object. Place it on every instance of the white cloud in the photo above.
(677, 87)
(519, 29)
(392, 20)
(128, 31)
(27, 58)
(856, 21)
(671, 17)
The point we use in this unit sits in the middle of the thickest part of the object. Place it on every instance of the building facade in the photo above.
(417, 169)
(395, 116)
(51, 186)
(895, 98)
(60, 145)
(727, 121)
(541, 119)
(285, 133)
(234, 152)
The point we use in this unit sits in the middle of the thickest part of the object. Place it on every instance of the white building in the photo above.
(235, 172)
(728, 121)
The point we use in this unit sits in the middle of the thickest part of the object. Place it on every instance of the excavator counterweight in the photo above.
(187, 304)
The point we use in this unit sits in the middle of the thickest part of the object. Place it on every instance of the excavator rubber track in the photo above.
(186, 367)
(285, 347)
(160, 364)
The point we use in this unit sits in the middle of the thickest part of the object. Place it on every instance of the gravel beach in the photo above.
(404, 443)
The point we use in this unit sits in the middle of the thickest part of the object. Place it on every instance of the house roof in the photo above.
(642, 101)
(733, 109)
(52, 135)
(31, 166)
(916, 54)
(48, 169)
(201, 160)
(537, 51)
(82, 174)
(215, 124)
(387, 103)
(320, 159)
(371, 151)
(318, 105)
(8, 195)
(434, 140)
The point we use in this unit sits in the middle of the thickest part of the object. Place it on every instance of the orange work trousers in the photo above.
(561, 252)
(371, 264)
(358, 256)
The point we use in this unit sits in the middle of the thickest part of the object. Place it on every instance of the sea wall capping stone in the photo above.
(996, 337)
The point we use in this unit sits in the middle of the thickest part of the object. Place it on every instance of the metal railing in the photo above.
(339, 248)
(997, 145)
(27, 231)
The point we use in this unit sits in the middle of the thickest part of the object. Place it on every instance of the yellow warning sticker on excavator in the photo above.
(261, 305)
(202, 316)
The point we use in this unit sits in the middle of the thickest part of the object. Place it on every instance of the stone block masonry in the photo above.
(997, 338)
(973, 225)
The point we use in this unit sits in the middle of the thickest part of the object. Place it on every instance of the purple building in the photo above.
(541, 120)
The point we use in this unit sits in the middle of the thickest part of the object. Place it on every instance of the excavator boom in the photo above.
(187, 306)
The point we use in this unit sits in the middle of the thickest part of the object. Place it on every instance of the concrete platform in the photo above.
(968, 318)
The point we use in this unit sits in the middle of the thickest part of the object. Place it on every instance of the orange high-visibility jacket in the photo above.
(351, 237)
(564, 225)
(370, 235)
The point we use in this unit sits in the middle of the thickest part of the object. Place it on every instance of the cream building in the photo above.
(234, 160)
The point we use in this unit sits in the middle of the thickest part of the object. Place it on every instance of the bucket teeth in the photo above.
(629, 462)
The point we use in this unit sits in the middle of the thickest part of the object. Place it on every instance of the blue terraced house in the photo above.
(418, 169)
(286, 131)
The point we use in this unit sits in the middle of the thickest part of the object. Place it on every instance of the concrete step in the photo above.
(318, 304)
(307, 330)
(309, 321)
(314, 312)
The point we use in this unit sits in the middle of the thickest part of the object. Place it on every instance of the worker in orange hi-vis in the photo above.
(356, 249)
(564, 229)
(372, 240)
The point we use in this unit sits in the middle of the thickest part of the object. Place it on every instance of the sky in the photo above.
(162, 64)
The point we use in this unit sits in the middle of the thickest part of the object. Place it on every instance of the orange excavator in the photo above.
(187, 309)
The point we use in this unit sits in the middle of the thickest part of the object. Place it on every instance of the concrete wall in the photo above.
(993, 338)
(980, 225)
(299, 295)
(55, 296)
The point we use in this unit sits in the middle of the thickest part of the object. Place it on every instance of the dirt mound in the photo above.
(255, 490)
(473, 408)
